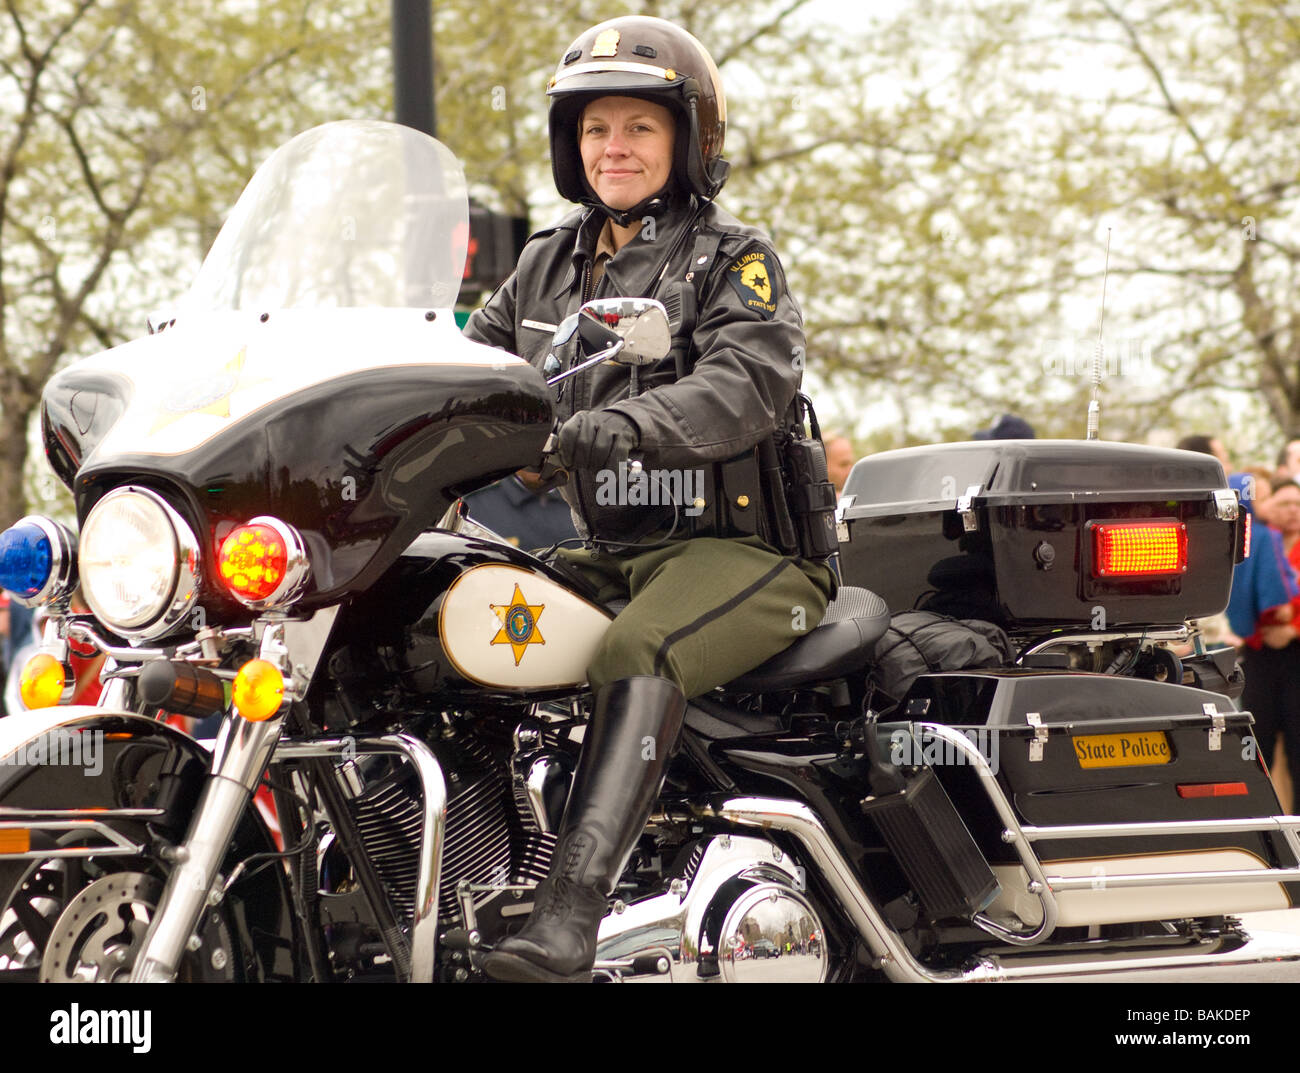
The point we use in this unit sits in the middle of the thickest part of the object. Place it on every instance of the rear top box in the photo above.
(1007, 531)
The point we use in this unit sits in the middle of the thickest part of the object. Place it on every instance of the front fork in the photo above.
(239, 758)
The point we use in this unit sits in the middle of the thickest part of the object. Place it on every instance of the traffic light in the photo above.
(495, 242)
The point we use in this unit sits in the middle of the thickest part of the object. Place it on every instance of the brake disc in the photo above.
(98, 935)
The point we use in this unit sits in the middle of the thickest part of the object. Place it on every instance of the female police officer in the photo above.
(637, 117)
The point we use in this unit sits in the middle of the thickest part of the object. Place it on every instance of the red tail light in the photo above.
(1138, 549)
(1212, 789)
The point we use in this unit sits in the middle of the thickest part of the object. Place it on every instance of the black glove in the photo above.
(596, 439)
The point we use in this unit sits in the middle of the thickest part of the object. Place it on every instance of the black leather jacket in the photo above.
(745, 364)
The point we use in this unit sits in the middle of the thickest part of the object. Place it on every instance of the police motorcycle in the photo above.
(270, 534)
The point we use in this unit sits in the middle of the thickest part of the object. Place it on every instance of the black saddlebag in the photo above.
(1072, 754)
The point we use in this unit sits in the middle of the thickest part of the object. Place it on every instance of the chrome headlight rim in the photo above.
(296, 573)
(62, 582)
(186, 570)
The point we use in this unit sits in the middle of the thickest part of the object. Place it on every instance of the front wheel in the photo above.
(83, 920)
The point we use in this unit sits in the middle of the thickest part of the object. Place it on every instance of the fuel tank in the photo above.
(458, 614)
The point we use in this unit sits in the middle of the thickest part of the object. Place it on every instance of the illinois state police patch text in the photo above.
(751, 277)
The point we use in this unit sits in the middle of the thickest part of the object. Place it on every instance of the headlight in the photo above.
(139, 563)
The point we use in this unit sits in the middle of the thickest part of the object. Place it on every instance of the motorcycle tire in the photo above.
(83, 920)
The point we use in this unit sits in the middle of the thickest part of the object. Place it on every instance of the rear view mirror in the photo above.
(641, 323)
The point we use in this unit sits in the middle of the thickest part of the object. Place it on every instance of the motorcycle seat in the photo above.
(842, 642)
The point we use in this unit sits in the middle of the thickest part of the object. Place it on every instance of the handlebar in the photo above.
(549, 464)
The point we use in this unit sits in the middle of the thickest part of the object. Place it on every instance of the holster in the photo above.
(811, 497)
(801, 504)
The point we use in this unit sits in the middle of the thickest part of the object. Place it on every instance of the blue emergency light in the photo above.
(26, 559)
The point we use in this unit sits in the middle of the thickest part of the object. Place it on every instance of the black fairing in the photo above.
(360, 464)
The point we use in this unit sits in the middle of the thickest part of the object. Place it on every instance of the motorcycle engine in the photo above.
(492, 843)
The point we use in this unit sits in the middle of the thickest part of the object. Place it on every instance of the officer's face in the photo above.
(627, 149)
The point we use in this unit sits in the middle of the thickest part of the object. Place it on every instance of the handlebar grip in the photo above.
(651, 965)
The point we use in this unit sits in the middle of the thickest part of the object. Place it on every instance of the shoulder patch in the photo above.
(753, 279)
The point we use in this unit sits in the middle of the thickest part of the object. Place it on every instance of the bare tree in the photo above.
(132, 125)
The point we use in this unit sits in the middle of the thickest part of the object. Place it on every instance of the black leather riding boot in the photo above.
(632, 734)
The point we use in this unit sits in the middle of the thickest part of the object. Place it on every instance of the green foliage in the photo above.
(130, 128)
(1012, 142)
(941, 178)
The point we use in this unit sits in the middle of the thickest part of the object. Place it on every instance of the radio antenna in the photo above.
(1098, 363)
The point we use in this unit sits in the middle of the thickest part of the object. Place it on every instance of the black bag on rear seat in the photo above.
(918, 642)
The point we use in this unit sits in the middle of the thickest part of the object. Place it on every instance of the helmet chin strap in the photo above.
(655, 205)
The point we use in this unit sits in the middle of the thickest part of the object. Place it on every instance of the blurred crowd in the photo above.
(1263, 616)
(1262, 620)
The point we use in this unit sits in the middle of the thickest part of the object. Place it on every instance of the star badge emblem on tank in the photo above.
(518, 624)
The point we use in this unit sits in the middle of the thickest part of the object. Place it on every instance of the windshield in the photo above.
(355, 213)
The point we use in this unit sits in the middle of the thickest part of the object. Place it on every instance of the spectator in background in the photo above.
(19, 633)
(1283, 506)
(839, 460)
(518, 509)
(1258, 488)
(1288, 461)
(1006, 427)
(1260, 609)
(1207, 445)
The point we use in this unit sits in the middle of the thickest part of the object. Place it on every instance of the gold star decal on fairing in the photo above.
(207, 394)
(518, 624)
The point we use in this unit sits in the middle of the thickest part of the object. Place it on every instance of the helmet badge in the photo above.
(606, 44)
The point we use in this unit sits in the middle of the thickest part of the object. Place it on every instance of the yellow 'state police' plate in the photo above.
(1123, 750)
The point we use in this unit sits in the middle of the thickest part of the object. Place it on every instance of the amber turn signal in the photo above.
(15, 840)
(258, 691)
(43, 682)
